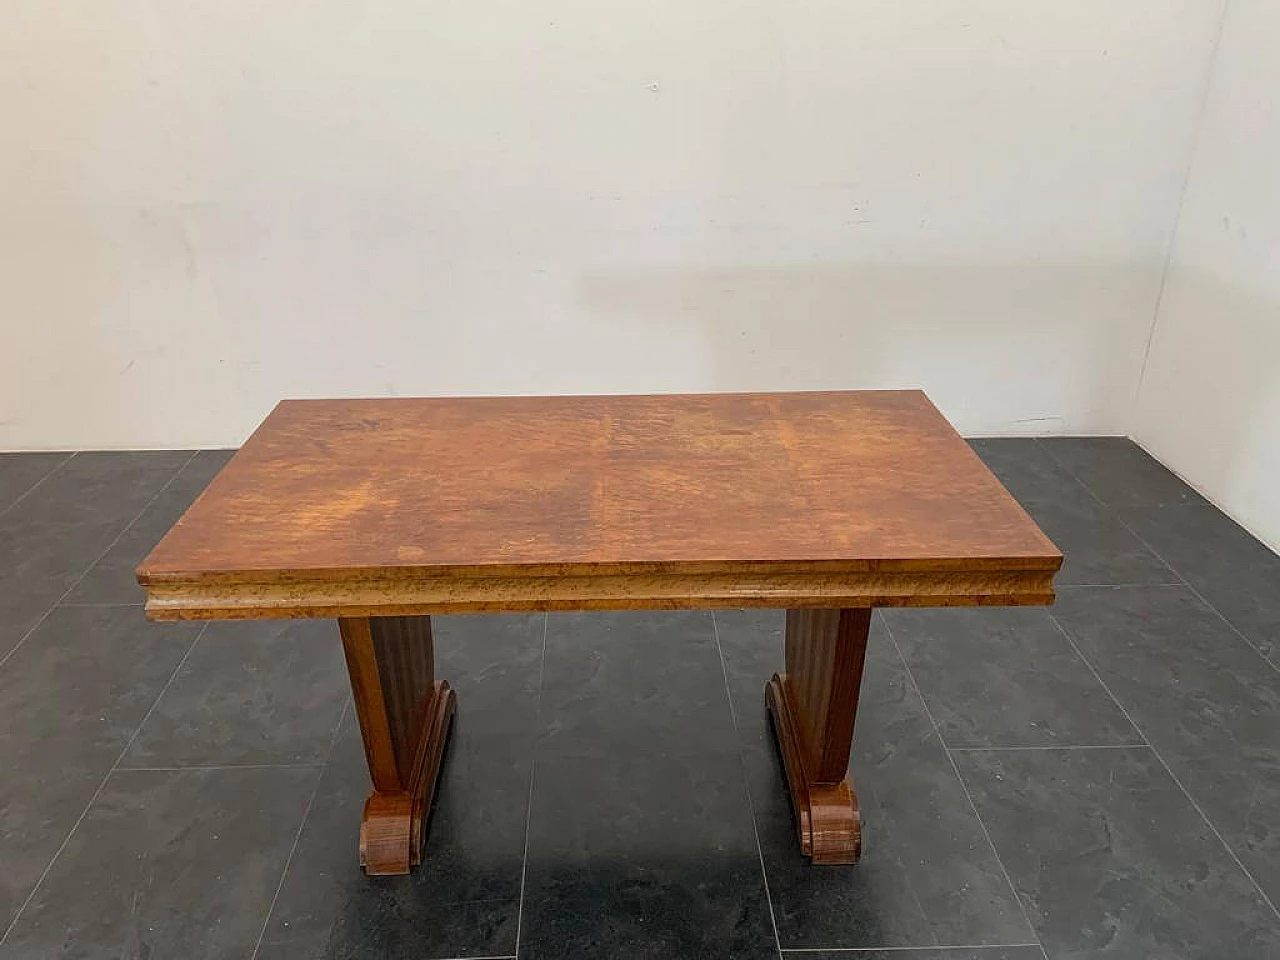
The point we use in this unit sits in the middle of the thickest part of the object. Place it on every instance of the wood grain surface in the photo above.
(824, 654)
(358, 507)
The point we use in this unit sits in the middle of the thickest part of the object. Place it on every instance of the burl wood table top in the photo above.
(415, 506)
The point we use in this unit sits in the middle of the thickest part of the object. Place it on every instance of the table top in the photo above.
(333, 496)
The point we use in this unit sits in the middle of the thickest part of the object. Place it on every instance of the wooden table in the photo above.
(383, 512)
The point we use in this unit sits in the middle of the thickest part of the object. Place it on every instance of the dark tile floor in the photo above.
(1098, 779)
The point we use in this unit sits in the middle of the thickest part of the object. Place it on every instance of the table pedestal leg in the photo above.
(404, 720)
(813, 706)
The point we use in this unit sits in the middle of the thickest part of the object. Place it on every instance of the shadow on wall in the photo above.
(1210, 399)
(964, 331)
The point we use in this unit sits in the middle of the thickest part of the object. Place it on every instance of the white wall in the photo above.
(1209, 403)
(207, 205)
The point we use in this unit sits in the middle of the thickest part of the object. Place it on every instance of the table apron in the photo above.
(363, 597)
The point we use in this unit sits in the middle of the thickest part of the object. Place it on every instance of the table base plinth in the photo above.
(393, 827)
(405, 717)
(813, 705)
(827, 819)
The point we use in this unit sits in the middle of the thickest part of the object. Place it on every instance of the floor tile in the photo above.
(1206, 701)
(493, 663)
(102, 487)
(1097, 548)
(463, 900)
(168, 865)
(1118, 471)
(1096, 545)
(50, 538)
(1232, 570)
(1030, 952)
(927, 875)
(251, 692)
(1005, 678)
(111, 580)
(633, 684)
(1024, 467)
(752, 643)
(408, 927)
(1112, 860)
(19, 472)
(70, 698)
(643, 857)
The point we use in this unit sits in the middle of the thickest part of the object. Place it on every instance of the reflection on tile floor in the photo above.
(1096, 779)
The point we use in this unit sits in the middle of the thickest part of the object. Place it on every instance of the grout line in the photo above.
(1211, 500)
(96, 560)
(1220, 615)
(129, 526)
(306, 813)
(1082, 746)
(26, 493)
(1198, 595)
(1109, 586)
(524, 855)
(1182, 581)
(746, 782)
(224, 766)
(101, 786)
(924, 949)
(528, 808)
(1193, 150)
(1169, 770)
(101, 603)
(1089, 490)
(963, 786)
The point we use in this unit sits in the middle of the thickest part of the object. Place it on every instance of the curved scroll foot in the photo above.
(392, 828)
(827, 818)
